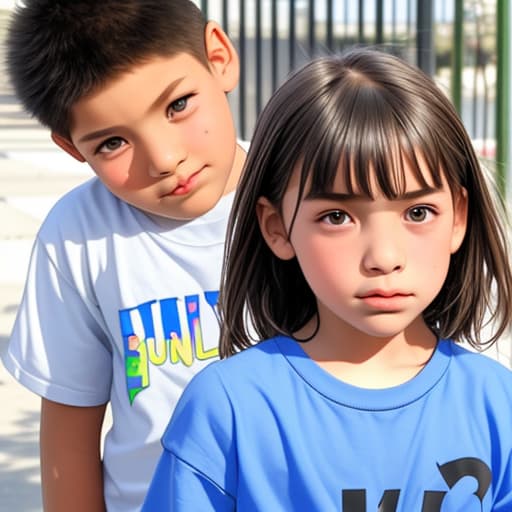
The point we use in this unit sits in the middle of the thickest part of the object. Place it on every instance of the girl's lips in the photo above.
(384, 293)
(385, 301)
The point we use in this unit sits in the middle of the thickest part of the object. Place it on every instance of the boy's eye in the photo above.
(110, 145)
(336, 217)
(419, 213)
(178, 106)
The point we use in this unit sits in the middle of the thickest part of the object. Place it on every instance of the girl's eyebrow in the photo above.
(343, 196)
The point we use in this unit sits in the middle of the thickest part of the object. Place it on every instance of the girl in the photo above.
(364, 244)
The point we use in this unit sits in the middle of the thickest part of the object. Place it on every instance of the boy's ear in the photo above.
(460, 219)
(273, 229)
(222, 56)
(67, 146)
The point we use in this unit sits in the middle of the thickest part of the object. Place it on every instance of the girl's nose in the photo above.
(384, 252)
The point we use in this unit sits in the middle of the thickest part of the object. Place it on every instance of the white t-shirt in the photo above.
(119, 306)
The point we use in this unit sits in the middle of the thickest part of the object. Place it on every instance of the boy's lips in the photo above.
(184, 185)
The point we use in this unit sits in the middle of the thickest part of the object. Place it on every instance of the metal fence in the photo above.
(454, 41)
(274, 37)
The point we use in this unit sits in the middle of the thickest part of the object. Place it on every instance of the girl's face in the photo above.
(373, 264)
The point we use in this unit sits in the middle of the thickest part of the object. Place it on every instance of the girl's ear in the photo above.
(222, 56)
(273, 229)
(67, 146)
(460, 219)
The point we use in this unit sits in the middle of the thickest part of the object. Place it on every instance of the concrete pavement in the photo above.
(33, 174)
(27, 190)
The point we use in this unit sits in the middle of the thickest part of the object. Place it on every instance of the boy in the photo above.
(120, 298)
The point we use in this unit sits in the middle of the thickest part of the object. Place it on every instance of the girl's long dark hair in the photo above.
(358, 111)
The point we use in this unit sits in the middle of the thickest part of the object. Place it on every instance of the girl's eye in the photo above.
(110, 145)
(419, 213)
(336, 218)
(178, 106)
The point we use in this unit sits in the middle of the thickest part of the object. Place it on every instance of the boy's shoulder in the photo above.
(91, 212)
(87, 209)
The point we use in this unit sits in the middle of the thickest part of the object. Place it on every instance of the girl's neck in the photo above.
(367, 361)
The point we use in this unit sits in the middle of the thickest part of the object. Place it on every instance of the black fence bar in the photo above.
(379, 22)
(292, 39)
(225, 16)
(311, 28)
(275, 51)
(329, 29)
(360, 22)
(425, 57)
(259, 59)
(242, 84)
(204, 7)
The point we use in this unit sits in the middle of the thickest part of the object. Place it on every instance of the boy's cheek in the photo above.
(208, 124)
(118, 174)
(200, 130)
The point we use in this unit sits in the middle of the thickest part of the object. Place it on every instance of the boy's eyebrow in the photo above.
(343, 196)
(107, 131)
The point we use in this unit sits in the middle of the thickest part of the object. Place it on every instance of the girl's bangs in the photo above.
(370, 137)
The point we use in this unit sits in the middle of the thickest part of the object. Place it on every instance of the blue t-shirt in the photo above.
(269, 430)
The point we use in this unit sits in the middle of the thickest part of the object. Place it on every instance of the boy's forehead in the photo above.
(139, 87)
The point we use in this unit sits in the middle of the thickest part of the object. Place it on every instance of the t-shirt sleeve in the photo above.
(179, 487)
(58, 348)
(200, 445)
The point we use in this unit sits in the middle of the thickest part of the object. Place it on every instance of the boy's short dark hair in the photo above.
(60, 50)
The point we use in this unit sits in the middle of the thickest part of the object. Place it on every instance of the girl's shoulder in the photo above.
(256, 370)
(468, 357)
(255, 360)
(478, 368)
(217, 390)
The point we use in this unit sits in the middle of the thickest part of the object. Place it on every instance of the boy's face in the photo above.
(161, 136)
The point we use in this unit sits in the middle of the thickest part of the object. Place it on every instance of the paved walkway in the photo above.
(30, 182)
(28, 188)
(33, 174)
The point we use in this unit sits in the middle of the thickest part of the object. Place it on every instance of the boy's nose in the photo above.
(162, 168)
(164, 156)
(384, 252)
